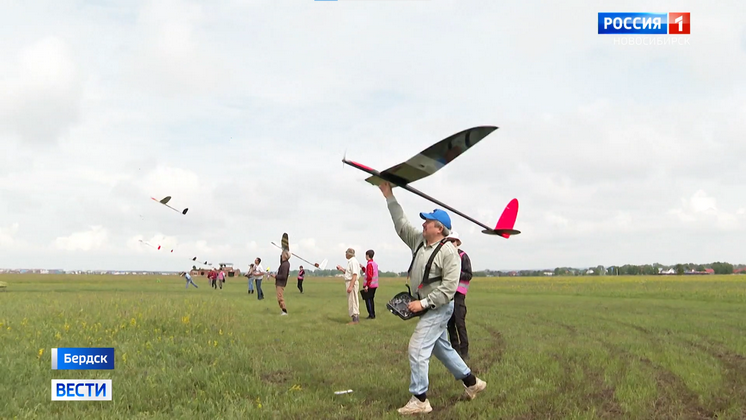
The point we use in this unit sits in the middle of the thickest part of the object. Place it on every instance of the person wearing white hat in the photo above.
(457, 324)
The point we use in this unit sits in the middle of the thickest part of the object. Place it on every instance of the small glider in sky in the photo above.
(205, 263)
(433, 159)
(159, 247)
(165, 201)
(286, 247)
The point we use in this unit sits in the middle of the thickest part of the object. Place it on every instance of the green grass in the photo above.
(577, 348)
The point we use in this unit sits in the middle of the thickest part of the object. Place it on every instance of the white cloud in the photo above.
(242, 111)
(7, 235)
(702, 208)
(89, 240)
(42, 91)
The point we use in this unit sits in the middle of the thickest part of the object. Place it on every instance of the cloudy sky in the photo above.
(242, 111)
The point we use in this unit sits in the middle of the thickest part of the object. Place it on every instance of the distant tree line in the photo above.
(599, 270)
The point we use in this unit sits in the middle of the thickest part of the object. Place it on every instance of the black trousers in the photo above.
(300, 285)
(457, 325)
(368, 297)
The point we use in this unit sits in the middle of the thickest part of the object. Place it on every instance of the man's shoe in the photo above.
(472, 391)
(415, 406)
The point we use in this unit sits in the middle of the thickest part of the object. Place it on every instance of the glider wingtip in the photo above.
(505, 233)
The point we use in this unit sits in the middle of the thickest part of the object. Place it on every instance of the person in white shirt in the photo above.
(258, 275)
(188, 279)
(352, 275)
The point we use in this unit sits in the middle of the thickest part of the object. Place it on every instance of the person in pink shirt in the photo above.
(301, 276)
(457, 324)
(371, 284)
(221, 278)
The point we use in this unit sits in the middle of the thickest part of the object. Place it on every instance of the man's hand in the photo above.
(340, 268)
(415, 306)
(365, 288)
(349, 289)
(385, 188)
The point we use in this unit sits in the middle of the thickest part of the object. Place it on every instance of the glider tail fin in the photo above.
(507, 219)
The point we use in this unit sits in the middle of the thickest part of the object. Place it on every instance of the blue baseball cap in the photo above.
(438, 215)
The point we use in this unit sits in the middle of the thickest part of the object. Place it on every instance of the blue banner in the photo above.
(633, 23)
(83, 358)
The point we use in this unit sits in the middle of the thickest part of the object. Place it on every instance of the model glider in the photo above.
(433, 159)
(205, 263)
(158, 248)
(286, 247)
(285, 242)
(320, 266)
(165, 201)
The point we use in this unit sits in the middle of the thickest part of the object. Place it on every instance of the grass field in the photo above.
(578, 348)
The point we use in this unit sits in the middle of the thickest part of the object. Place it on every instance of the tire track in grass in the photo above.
(495, 353)
(675, 400)
(734, 388)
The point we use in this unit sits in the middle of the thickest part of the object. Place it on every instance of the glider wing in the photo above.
(433, 158)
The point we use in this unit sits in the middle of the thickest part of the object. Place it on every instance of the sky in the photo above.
(242, 112)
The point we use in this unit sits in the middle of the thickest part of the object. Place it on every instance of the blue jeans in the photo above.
(251, 284)
(430, 337)
(259, 293)
(190, 281)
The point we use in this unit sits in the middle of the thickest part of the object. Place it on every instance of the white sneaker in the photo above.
(283, 313)
(472, 391)
(415, 406)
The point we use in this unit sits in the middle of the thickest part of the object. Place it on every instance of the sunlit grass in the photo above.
(565, 347)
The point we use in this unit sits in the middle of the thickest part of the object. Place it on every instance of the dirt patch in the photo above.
(276, 377)
(603, 395)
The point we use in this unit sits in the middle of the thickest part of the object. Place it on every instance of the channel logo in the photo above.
(81, 389)
(674, 23)
(83, 358)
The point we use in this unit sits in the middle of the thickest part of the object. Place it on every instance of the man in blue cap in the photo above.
(435, 294)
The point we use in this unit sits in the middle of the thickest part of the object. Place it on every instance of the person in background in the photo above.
(457, 324)
(188, 280)
(250, 276)
(221, 278)
(212, 276)
(301, 275)
(258, 275)
(352, 275)
(281, 280)
(371, 284)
